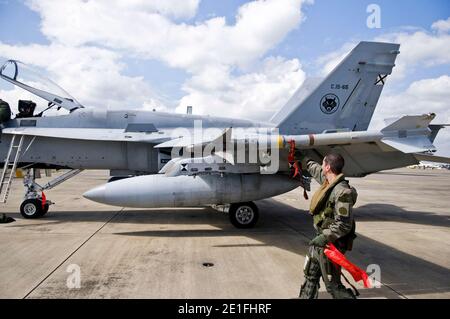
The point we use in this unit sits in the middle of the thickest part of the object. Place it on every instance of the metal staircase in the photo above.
(10, 166)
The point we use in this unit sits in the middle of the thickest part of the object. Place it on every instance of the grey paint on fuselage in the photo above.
(85, 118)
(128, 157)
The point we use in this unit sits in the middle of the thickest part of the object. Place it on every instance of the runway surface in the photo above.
(403, 226)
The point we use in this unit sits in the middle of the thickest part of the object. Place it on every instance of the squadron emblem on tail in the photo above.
(329, 103)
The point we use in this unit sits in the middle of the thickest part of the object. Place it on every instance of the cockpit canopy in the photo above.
(30, 79)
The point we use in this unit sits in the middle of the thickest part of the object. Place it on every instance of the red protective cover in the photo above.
(338, 258)
(44, 200)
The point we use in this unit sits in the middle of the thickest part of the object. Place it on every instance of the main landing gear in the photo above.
(242, 215)
(34, 208)
(35, 204)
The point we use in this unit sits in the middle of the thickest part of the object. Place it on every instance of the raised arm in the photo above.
(313, 168)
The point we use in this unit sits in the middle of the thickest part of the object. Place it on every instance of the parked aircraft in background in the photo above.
(425, 165)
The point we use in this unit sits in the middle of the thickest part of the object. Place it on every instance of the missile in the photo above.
(411, 130)
(159, 190)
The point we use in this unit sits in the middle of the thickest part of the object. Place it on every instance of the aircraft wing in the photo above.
(365, 158)
(400, 144)
(98, 134)
(432, 158)
(190, 139)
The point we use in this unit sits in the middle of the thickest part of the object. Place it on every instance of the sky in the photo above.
(230, 58)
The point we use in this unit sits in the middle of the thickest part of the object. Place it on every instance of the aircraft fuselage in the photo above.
(121, 157)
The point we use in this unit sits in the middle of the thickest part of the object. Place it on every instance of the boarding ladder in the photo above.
(10, 166)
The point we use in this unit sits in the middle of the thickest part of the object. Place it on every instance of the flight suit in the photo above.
(331, 208)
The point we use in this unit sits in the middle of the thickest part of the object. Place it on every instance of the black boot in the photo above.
(309, 290)
(6, 219)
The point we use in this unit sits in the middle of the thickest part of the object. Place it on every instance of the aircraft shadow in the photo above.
(393, 213)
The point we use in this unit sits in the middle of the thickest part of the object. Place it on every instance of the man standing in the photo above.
(331, 208)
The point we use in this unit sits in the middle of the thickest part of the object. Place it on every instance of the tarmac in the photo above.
(403, 227)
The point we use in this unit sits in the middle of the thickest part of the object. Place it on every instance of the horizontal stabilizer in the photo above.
(435, 128)
(412, 133)
(414, 144)
(432, 158)
(411, 122)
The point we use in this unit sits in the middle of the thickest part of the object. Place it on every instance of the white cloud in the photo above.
(441, 25)
(178, 9)
(418, 48)
(256, 95)
(421, 97)
(92, 75)
(259, 26)
(330, 60)
(90, 38)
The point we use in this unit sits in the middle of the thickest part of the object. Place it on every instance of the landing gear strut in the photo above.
(35, 205)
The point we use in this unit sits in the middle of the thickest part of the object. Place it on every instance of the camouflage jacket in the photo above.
(334, 218)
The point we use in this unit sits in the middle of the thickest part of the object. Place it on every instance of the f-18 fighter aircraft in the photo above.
(182, 160)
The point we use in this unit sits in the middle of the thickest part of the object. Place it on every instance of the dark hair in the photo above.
(336, 162)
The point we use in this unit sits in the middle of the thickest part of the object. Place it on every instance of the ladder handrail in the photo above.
(5, 190)
(5, 166)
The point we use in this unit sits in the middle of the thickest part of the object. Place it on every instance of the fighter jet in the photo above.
(160, 159)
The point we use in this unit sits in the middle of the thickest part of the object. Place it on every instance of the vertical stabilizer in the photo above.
(347, 97)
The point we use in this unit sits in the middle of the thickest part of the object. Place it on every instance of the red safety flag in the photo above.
(44, 200)
(338, 258)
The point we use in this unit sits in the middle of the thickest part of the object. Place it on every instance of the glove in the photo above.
(319, 241)
(303, 159)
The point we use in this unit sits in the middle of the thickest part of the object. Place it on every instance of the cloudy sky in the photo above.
(230, 58)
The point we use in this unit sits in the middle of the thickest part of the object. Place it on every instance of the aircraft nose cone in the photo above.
(97, 194)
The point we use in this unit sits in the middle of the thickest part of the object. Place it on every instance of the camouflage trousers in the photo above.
(317, 265)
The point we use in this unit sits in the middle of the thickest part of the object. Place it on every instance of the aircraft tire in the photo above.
(31, 208)
(45, 210)
(243, 215)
